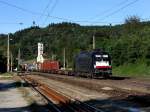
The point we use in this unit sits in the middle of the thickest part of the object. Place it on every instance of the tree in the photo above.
(3, 64)
(132, 24)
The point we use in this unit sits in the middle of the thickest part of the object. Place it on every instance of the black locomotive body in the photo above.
(95, 63)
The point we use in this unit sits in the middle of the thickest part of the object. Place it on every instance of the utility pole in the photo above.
(93, 41)
(52, 58)
(64, 52)
(11, 62)
(18, 58)
(8, 54)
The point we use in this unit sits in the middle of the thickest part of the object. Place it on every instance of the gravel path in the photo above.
(72, 91)
(11, 99)
(129, 84)
(103, 93)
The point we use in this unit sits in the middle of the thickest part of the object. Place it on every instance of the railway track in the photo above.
(59, 102)
(124, 83)
(73, 105)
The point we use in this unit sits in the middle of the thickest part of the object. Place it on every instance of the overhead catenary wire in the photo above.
(47, 15)
(33, 12)
(50, 12)
(12, 23)
(67, 19)
(47, 6)
(17, 7)
(118, 10)
(110, 9)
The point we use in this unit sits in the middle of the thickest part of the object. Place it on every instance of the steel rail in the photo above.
(59, 99)
(53, 107)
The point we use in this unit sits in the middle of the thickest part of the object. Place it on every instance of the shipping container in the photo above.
(48, 65)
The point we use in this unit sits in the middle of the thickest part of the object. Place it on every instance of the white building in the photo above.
(40, 53)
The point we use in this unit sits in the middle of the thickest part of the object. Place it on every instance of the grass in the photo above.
(133, 70)
(6, 75)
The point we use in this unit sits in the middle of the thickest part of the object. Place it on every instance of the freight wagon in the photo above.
(48, 66)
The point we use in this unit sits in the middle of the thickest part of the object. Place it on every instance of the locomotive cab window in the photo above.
(102, 58)
(106, 59)
(98, 57)
(101, 61)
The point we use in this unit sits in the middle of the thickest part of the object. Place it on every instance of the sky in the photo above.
(20, 14)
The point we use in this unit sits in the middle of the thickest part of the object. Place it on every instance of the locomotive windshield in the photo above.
(102, 60)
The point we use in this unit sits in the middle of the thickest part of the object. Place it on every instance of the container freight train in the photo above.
(96, 63)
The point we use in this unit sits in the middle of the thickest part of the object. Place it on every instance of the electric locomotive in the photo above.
(95, 63)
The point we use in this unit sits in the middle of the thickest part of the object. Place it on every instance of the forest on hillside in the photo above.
(127, 43)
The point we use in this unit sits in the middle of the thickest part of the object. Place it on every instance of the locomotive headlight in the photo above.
(105, 56)
(98, 56)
